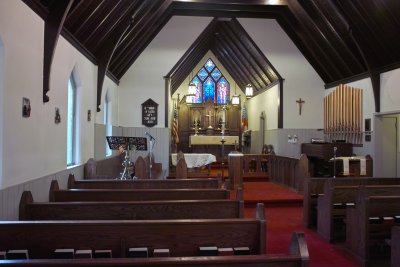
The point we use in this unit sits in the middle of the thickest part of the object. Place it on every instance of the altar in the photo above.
(213, 140)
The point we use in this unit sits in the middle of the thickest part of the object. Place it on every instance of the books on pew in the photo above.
(241, 251)
(375, 220)
(138, 252)
(225, 252)
(397, 219)
(64, 253)
(17, 254)
(102, 253)
(208, 251)
(161, 252)
(83, 254)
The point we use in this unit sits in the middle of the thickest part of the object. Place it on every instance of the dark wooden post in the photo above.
(235, 163)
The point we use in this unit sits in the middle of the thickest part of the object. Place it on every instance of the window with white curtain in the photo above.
(72, 122)
(107, 120)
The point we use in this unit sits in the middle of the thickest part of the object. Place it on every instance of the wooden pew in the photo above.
(108, 168)
(182, 237)
(332, 205)
(144, 184)
(59, 195)
(362, 230)
(297, 256)
(129, 210)
(314, 186)
(395, 246)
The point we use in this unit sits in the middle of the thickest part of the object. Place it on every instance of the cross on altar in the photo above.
(209, 119)
(300, 102)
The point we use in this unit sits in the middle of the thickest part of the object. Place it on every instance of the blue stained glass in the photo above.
(209, 65)
(223, 91)
(199, 89)
(202, 74)
(209, 89)
(216, 74)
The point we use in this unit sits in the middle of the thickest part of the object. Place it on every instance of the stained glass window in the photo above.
(222, 91)
(202, 74)
(199, 89)
(216, 74)
(209, 89)
(211, 84)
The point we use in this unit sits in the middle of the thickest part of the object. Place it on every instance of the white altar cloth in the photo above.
(346, 170)
(213, 140)
(195, 160)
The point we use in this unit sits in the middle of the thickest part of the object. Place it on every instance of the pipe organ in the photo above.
(343, 111)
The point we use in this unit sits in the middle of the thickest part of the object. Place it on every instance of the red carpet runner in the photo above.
(283, 210)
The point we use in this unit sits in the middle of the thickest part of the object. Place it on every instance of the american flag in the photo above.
(175, 126)
(244, 118)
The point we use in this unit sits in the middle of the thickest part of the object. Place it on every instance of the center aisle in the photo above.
(283, 211)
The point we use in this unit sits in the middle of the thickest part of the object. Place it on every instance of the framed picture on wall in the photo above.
(26, 107)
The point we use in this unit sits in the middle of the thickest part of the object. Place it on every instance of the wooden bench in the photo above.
(108, 168)
(129, 210)
(370, 222)
(181, 237)
(395, 246)
(144, 184)
(332, 204)
(297, 256)
(59, 195)
(314, 186)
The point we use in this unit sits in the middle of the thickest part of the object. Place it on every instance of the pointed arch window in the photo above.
(211, 84)
(72, 122)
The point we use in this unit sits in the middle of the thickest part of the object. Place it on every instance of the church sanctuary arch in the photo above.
(1, 108)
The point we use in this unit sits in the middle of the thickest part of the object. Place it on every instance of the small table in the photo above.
(194, 160)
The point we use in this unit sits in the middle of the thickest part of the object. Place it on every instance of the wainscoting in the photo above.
(10, 197)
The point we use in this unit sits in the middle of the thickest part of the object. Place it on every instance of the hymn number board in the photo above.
(149, 113)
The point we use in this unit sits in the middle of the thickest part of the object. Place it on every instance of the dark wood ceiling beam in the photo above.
(52, 29)
(105, 57)
(261, 59)
(239, 60)
(128, 10)
(337, 48)
(157, 22)
(315, 40)
(234, 73)
(141, 21)
(292, 28)
(93, 12)
(236, 38)
(199, 42)
(101, 24)
(232, 60)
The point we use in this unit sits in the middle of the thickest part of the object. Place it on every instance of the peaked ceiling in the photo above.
(234, 48)
(342, 39)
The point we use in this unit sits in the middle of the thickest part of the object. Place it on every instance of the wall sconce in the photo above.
(249, 91)
(289, 138)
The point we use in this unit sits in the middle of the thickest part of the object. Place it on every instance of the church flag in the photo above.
(175, 134)
(244, 118)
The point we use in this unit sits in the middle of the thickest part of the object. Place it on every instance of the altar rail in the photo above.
(255, 165)
(288, 171)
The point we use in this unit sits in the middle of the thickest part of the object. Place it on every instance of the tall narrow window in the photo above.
(211, 84)
(1, 108)
(71, 134)
(107, 121)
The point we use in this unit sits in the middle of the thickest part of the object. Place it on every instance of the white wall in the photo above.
(301, 80)
(390, 96)
(266, 102)
(145, 80)
(36, 146)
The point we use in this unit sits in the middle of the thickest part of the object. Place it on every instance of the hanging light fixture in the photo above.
(249, 91)
(235, 98)
(190, 97)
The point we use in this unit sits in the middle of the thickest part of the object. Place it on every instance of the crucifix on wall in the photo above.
(300, 102)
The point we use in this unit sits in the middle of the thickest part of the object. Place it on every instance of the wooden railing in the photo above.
(288, 171)
(255, 165)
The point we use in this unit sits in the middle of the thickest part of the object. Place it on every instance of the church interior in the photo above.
(199, 133)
